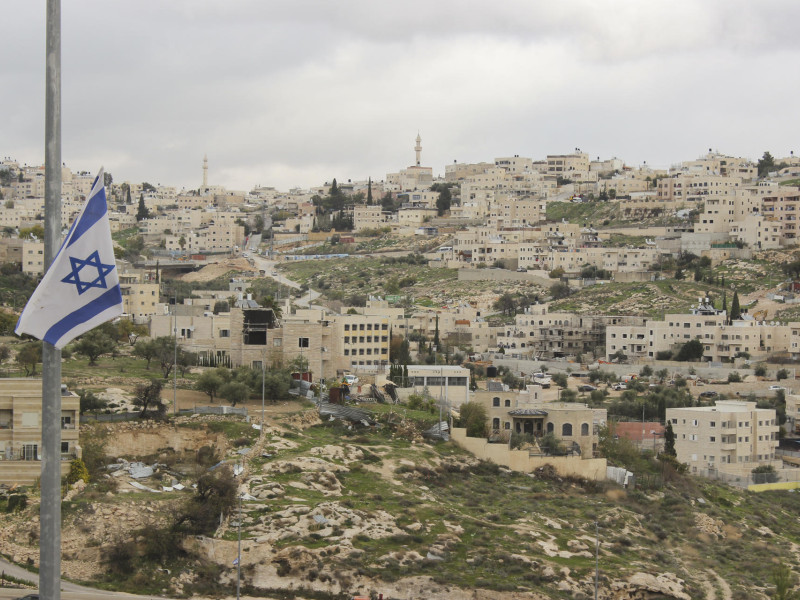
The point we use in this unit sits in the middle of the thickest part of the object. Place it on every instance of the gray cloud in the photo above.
(294, 92)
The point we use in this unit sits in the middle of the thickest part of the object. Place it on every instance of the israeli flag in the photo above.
(81, 288)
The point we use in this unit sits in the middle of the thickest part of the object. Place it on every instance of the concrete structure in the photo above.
(21, 430)
(525, 462)
(732, 437)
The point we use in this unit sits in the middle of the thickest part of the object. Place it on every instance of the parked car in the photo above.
(776, 388)
(586, 388)
(29, 597)
(709, 394)
(619, 386)
(350, 379)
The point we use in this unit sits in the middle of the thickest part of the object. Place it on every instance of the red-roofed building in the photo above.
(647, 435)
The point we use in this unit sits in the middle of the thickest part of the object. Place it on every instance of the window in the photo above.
(584, 429)
(223, 333)
(508, 403)
(495, 423)
(496, 401)
(566, 429)
(302, 342)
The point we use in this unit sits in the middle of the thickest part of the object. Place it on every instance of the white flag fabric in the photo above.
(81, 288)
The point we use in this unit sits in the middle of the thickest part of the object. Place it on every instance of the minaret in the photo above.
(205, 172)
(418, 148)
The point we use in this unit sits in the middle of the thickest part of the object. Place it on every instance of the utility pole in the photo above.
(596, 558)
(50, 509)
(239, 551)
(175, 360)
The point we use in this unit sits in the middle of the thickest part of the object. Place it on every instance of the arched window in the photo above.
(495, 423)
(549, 428)
(506, 425)
(584, 429)
(508, 403)
(496, 401)
(566, 429)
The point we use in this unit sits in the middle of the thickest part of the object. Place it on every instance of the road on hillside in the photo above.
(70, 591)
(268, 266)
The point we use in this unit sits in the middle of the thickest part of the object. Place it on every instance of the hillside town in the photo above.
(571, 316)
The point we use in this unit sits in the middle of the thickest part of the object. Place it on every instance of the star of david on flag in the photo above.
(81, 288)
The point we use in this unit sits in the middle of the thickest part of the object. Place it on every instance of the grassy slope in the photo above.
(504, 515)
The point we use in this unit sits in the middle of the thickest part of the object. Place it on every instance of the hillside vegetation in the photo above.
(334, 510)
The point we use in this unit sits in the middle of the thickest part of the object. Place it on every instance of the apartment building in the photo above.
(732, 437)
(722, 341)
(544, 334)
(370, 217)
(21, 430)
(32, 257)
(568, 165)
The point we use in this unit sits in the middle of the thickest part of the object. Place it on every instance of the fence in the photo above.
(109, 417)
(214, 410)
(746, 480)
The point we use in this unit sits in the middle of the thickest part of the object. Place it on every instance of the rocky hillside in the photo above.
(332, 510)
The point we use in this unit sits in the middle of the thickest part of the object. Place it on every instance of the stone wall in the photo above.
(522, 461)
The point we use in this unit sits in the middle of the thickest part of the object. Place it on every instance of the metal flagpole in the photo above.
(50, 509)
(175, 362)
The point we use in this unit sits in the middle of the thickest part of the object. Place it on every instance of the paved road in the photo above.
(70, 591)
(268, 266)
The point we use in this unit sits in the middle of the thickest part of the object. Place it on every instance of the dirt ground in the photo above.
(214, 270)
(191, 398)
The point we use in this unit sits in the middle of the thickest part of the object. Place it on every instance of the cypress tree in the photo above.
(736, 311)
(142, 212)
(369, 192)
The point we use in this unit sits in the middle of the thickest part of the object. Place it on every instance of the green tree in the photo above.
(444, 200)
(29, 356)
(782, 374)
(5, 353)
(736, 311)
(690, 351)
(209, 383)
(77, 470)
(506, 304)
(550, 444)
(148, 396)
(369, 192)
(765, 164)
(560, 379)
(783, 580)
(94, 344)
(669, 440)
(221, 306)
(235, 392)
(560, 291)
(147, 350)
(182, 242)
(473, 418)
(142, 212)
(108, 179)
(277, 385)
(90, 402)
(8, 322)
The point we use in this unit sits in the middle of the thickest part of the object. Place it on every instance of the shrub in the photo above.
(77, 470)
(734, 377)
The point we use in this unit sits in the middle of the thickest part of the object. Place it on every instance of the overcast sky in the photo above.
(294, 93)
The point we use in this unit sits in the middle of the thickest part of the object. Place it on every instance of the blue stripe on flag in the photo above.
(86, 312)
(95, 209)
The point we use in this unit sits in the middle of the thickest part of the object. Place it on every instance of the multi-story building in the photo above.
(32, 257)
(21, 430)
(543, 334)
(732, 437)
